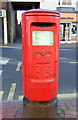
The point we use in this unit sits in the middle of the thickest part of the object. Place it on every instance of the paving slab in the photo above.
(65, 109)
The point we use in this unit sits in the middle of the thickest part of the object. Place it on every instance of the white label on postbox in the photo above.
(43, 38)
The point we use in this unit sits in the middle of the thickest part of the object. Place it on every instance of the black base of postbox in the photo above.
(33, 109)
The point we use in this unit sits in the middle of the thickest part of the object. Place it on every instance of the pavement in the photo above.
(67, 108)
(14, 109)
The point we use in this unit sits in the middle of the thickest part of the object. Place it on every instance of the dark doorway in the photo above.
(25, 5)
(22, 6)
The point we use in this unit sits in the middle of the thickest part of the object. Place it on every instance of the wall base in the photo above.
(32, 109)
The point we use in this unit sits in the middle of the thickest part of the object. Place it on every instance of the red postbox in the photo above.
(40, 50)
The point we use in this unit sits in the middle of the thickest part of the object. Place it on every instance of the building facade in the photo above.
(68, 25)
(68, 12)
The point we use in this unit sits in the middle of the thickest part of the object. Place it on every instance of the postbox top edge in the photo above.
(41, 11)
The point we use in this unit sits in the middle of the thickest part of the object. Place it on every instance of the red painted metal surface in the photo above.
(40, 62)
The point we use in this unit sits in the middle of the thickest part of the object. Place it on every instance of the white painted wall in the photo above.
(24, 0)
(76, 5)
(49, 4)
(5, 26)
(73, 2)
(19, 15)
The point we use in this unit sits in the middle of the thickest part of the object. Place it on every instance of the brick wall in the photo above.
(3, 4)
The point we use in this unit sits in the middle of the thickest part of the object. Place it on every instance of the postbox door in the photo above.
(43, 53)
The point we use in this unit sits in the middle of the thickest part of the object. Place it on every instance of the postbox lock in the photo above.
(55, 61)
